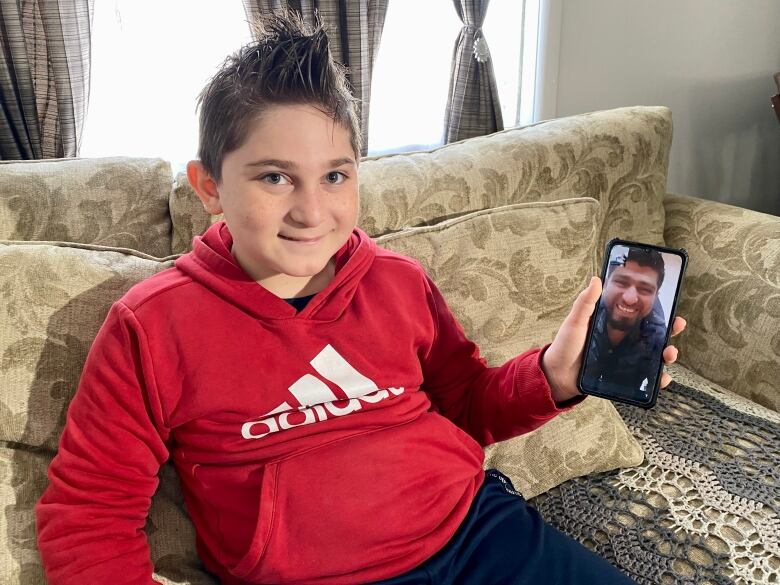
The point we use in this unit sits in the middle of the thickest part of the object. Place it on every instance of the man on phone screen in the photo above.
(630, 328)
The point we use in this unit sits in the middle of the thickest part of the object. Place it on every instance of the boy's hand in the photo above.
(561, 362)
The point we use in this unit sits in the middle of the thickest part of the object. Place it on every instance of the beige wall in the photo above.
(710, 61)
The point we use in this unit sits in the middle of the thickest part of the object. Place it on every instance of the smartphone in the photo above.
(632, 321)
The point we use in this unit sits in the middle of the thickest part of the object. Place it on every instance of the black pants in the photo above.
(504, 541)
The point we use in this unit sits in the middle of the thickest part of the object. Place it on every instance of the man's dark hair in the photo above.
(290, 63)
(651, 258)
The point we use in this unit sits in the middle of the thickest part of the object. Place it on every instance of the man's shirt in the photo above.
(632, 363)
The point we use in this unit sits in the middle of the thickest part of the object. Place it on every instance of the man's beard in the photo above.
(621, 324)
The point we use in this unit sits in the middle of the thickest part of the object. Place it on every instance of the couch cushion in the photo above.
(619, 157)
(53, 299)
(591, 437)
(730, 296)
(118, 201)
(22, 481)
(510, 276)
(704, 507)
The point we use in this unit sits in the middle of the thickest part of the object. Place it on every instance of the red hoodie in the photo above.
(339, 444)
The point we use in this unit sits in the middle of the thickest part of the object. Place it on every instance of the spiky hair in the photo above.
(289, 63)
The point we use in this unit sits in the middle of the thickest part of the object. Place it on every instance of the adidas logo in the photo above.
(317, 401)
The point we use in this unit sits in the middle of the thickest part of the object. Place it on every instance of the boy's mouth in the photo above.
(301, 240)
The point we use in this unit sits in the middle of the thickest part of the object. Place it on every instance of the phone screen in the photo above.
(630, 326)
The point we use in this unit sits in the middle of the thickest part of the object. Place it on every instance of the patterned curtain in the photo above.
(44, 78)
(354, 28)
(473, 108)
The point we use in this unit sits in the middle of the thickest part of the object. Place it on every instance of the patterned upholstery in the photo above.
(731, 295)
(509, 275)
(117, 201)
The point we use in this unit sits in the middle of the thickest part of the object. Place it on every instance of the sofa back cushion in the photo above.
(54, 296)
(118, 201)
(618, 157)
(509, 274)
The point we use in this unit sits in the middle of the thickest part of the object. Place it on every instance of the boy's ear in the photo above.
(204, 186)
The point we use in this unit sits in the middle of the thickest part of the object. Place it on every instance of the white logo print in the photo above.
(317, 399)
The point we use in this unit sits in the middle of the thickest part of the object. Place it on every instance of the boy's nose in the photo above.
(307, 206)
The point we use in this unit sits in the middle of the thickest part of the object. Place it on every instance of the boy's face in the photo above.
(295, 176)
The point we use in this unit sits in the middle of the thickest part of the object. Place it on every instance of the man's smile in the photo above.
(625, 310)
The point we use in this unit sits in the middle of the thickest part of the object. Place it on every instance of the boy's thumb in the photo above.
(593, 290)
(584, 305)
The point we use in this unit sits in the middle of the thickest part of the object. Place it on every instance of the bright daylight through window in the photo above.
(150, 59)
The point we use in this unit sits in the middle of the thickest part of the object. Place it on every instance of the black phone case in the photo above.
(654, 395)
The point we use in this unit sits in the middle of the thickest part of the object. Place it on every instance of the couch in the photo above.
(510, 226)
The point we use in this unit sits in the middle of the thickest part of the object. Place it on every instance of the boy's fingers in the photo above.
(670, 354)
(666, 379)
(678, 325)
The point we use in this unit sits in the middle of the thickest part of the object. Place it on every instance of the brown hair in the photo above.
(289, 63)
(643, 257)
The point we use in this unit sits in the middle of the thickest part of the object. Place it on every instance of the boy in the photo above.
(323, 408)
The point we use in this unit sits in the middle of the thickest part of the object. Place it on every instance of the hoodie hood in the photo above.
(211, 264)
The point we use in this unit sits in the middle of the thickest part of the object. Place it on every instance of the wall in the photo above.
(710, 61)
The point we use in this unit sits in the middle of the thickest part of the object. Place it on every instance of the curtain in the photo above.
(44, 78)
(473, 108)
(354, 29)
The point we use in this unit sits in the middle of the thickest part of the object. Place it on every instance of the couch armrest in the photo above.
(731, 294)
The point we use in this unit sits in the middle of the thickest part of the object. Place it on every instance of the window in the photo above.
(151, 58)
(412, 72)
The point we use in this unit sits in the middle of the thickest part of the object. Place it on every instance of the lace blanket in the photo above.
(704, 506)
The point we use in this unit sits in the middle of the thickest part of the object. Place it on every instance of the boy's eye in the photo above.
(274, 178)
(334, 175)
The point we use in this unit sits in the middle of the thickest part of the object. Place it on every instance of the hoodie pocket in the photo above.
(363, 505)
